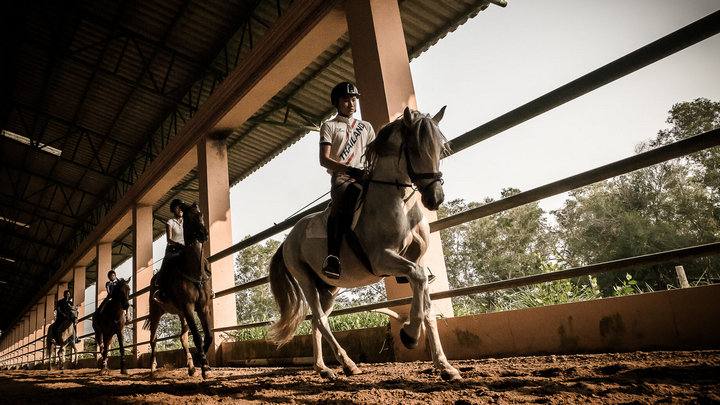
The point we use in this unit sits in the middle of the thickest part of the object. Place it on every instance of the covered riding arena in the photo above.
(111, 110)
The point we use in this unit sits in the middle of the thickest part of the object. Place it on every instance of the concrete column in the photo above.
(142, 272)
(49, 308)
(41, 328)
(382, 71)
(104, 265)
(33, 333)
(61, 287)
(26, 337)
(215, 205)
(78, 292)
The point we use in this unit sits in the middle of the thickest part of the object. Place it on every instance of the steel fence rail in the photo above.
(674, 150)
(709, 249)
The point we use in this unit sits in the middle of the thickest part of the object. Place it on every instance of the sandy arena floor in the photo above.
(639, 377)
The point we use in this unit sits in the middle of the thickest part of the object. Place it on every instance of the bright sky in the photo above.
(500, 60)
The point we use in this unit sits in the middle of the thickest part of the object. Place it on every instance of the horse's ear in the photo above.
(128, 280)
(407, 117)
(439, 115)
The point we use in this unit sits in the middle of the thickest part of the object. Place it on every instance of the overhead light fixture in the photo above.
(27, 141)
(14, 222)
(7, 259)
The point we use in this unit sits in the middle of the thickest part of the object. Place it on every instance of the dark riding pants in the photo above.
(344, 194)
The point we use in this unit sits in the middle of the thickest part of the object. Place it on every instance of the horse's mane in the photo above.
(423, 137)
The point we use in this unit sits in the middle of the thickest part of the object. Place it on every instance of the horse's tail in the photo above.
(289, 299)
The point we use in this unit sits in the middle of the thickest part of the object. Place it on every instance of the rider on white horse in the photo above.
(342, 143)
(64, 310)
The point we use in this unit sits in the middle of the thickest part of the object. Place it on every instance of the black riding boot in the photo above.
(338, 225)
(331, 266)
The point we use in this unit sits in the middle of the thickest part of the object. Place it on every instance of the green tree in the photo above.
(506, 245)
(667, 206)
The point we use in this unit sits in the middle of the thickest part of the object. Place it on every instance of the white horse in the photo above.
(61, 334)
(393, 232)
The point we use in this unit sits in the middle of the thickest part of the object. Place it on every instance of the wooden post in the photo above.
(682, 278)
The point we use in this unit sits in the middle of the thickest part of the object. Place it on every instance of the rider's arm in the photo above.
(329, 163)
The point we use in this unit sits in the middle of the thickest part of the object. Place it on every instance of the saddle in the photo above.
(317, 228)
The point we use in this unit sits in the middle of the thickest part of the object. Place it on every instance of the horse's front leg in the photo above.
(204, 315)
(121, 343)
(184, 341)
(395, 265)
(104, 355)
(61, 357)
(197, 337)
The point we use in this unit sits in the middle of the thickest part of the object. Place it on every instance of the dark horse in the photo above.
(109, 321)
(185, 282)
(61, 333)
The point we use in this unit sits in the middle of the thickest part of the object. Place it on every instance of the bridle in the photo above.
(414, 176)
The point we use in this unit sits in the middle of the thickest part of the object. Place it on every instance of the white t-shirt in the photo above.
(347, 138)
(176, 230)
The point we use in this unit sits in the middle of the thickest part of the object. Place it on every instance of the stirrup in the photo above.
(331, 271)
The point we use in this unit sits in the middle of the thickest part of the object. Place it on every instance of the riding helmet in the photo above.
(176, 203)
(343, 89)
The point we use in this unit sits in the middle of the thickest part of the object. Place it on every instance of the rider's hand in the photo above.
(355, 173)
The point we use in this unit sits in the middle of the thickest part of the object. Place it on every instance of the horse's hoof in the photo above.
(205, 372)
(350, 371)
(450, 375)
(191, 371)
(408, 341)
(328, 374)
(123, 372)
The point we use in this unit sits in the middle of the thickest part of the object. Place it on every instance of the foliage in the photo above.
(667, 206)
(506, 245)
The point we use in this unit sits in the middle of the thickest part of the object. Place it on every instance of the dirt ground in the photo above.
(638, 377)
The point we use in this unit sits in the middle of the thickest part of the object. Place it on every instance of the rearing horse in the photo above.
(186, 285)
(393, 232)
(109, 321)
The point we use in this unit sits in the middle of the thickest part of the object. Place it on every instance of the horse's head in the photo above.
(121, 293)
(416, 139)
(194, 229)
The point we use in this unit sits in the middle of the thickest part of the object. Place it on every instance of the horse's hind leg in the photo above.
(184, 341)
(327, 300)
(320, 322)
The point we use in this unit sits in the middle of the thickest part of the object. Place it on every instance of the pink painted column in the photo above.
(78, 293)
(104, 265)
(49, 309)
(382, 70)
(142, 272)
(215, 205)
